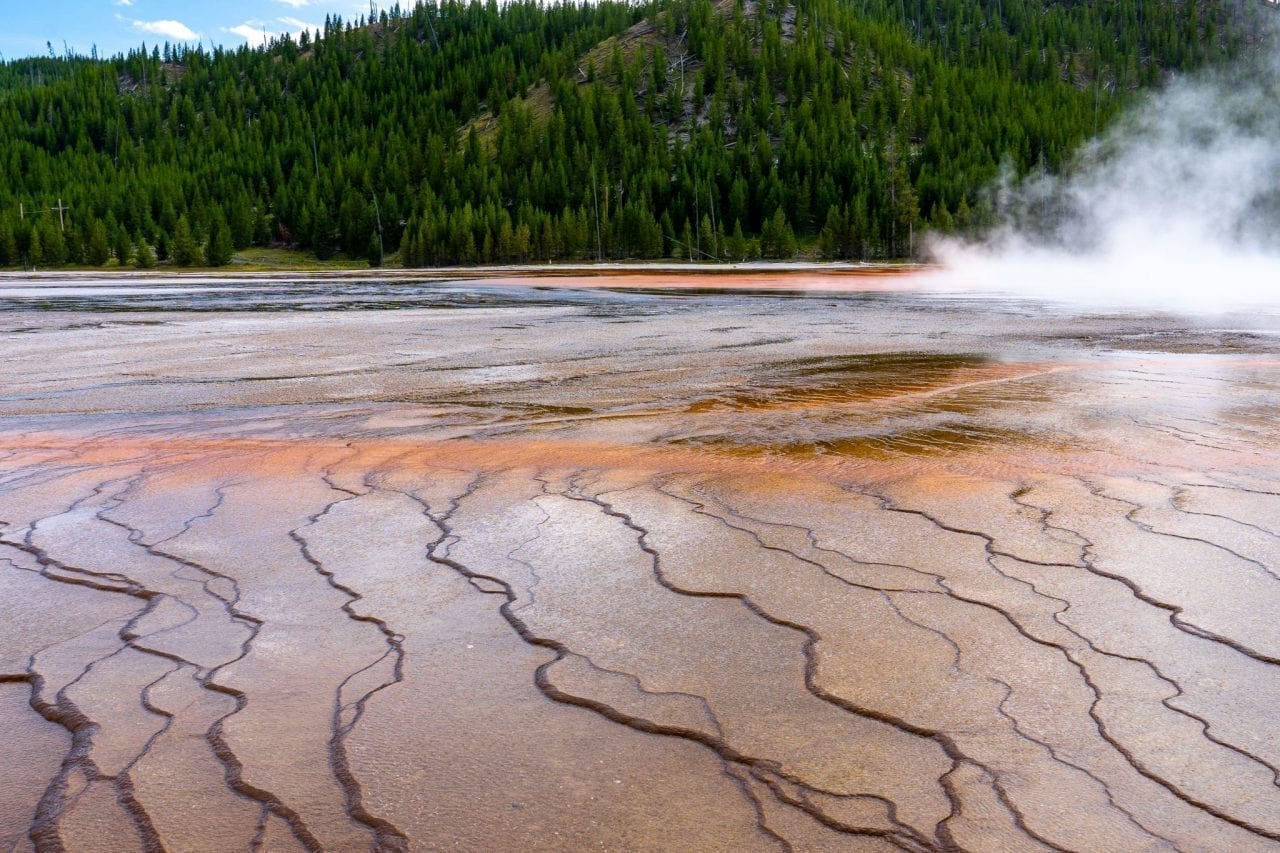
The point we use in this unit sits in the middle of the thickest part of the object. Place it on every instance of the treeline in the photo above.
(469, 132)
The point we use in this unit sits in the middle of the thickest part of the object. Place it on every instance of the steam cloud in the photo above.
(1177, 207)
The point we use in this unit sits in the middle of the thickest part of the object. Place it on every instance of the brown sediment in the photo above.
(870, 279)
(640, 573)
(1012, 459)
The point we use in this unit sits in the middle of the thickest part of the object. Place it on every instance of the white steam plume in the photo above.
(1177, 207)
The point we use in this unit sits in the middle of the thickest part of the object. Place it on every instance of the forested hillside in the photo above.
(468, 133)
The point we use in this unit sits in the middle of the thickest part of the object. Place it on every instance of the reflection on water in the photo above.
(808, 370)
(299, 296)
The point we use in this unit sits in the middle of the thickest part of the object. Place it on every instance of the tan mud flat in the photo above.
(572, 565)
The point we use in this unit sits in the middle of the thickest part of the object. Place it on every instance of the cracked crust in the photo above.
(489, 585)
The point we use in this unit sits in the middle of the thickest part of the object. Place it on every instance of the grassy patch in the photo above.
(256, 258)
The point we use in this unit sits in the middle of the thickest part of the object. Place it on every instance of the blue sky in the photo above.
(117, 25)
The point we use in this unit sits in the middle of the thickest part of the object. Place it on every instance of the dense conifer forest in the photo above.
(463, 133)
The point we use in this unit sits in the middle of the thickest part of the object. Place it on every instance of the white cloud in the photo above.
(348, 7)
(124, 2)
(299, 25)
(258, 33)
(250, 31)
(175, 30)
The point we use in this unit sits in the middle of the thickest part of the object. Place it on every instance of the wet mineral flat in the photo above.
(809, 564)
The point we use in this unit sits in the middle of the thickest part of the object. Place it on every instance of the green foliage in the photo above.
(219, 249)
(186, 251)
(162, 246)
(142, 255)
(122, 245)
(35, 249)
(522, 131)
(737, 247)
(776, 238)
(49, 246)
(98, 250)
(9, 254)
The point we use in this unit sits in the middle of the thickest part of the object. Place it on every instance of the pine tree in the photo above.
(142, 256)
(52, 241)
(240, 218)
(830, 241)
(219, 250)
(8, 244)
(98, 249)
(73, 244)
(123, 246)
(706, 239)
(320, 234)
(186, 251)
(896, 114)
(523, 243)
(737, 245)
(35, 249)
(776, 239)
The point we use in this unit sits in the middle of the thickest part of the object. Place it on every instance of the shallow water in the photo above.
(565, 564)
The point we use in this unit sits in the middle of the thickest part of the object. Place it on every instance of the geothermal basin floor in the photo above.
(475, 565)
